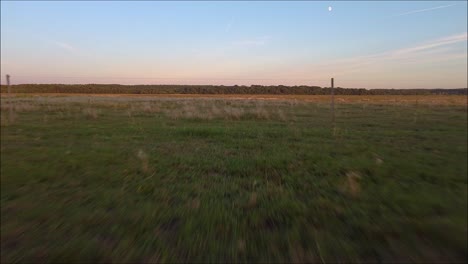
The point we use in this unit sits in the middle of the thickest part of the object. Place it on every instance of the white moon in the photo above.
(329, 8)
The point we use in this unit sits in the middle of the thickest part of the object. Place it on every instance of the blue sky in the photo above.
(372, 44)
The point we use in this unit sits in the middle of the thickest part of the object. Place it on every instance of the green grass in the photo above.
(130, 181)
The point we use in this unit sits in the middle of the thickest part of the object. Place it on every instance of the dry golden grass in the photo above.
(181, 108)
(203, 107)
(91, 113)
(339, 99)
(144, 160)
(351, 185)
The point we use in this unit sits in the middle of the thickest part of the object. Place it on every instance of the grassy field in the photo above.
(236, 179)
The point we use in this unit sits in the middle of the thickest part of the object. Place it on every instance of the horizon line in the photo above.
(234, 85)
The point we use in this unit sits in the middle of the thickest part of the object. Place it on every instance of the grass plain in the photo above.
(233, 179)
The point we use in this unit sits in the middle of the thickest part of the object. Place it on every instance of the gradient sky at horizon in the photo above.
(369, 44)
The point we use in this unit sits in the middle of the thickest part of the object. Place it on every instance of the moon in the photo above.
(329, 8)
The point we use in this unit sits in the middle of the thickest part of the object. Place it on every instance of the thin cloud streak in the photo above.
(64, 46)
(405, 53)
(252, 42)
(423, 10)
(434, 44)
(429, 53)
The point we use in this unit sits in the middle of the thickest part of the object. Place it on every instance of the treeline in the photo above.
(216, 89)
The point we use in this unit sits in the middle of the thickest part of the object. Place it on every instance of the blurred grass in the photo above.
(210, 180)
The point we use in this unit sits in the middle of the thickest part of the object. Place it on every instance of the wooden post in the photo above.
(10, 102)
(333, 101)
(8, 83)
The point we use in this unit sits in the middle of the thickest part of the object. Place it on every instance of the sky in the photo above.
(363, 44)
